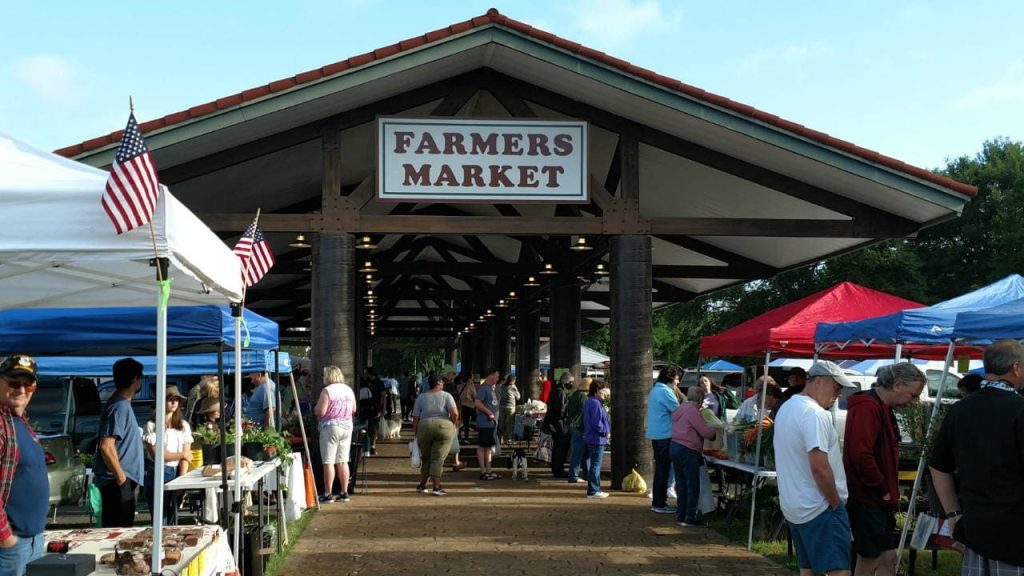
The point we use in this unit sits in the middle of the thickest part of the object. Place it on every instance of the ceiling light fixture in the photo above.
(365, 243)
(532, 282)
(367, 267)
(300, 241)
(502, 304)
(512, 296)
(601, 270)
(548, 269)
(580, 245)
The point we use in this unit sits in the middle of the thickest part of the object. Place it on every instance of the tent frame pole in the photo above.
(236, 506)
(160, 413)
(921, 459)
(225, 511)
(757, 450)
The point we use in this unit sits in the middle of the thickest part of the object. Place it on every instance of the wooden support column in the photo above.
(501, 345)
(631, 356)
(565, 325)
(333, 306)
(488, 345)
(528, 349)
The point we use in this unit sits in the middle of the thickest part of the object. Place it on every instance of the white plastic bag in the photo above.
(414, 454)
(706, 502)
(496, 449)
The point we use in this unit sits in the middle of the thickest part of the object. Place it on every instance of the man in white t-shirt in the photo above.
(811, 478)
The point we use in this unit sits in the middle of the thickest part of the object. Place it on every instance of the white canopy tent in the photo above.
(588, 356)
(58, 249)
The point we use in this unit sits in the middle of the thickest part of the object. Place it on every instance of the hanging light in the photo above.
(300, 241)
(512, 296)
(369, 294)
(549, 268)
(367, 268)
(489, 314)
(369, 278)
(532, 282)
(365, 243)
(601, 270)
(309, 266)
(580, 245)
(502, 304)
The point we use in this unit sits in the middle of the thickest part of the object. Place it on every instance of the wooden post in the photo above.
(631, 356)
(528, 348)
(565, 325)
(333, 307)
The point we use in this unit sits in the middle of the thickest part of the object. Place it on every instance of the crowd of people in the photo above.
(840, 504)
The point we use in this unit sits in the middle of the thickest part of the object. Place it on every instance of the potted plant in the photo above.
(208, 439)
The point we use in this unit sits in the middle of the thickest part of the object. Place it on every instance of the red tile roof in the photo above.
(494, 17)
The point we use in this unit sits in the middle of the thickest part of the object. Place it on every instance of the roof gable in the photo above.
(495, 19)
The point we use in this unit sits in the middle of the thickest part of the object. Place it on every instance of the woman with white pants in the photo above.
(335, 409)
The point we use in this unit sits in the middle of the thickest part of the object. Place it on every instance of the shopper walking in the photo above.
(433, 422)
(597, 430)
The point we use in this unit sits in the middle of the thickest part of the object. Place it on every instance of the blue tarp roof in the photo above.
(722, 365)
(932, 324)
(178, 364)
(1004, 321)
(127, 331)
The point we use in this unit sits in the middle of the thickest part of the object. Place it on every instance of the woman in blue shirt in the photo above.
(596, 432)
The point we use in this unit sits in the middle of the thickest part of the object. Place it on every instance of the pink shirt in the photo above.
(342, 402)
(689, 427)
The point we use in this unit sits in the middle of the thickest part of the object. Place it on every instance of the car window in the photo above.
(935, 378)
(47, 409)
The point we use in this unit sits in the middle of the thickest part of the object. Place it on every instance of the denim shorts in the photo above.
(823, 544)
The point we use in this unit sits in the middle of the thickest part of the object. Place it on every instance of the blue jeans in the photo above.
(580, 456)
(14, 559)
(170, 512)
(662, 469)
(686, 463)
(596, 453)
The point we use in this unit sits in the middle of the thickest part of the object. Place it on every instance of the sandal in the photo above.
(459, 466)
(490, 476)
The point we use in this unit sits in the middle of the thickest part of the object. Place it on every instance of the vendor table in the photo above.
(735, 479)
(210, 557)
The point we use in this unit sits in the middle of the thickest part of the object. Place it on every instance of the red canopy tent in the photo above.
(789, 330)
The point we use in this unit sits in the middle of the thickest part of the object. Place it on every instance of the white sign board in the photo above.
(476, 160)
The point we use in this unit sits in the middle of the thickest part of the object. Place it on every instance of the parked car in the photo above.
(65, 414)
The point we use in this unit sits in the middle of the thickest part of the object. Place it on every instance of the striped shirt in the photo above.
(9, 455)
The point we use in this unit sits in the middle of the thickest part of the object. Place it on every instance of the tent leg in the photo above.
(757, 450)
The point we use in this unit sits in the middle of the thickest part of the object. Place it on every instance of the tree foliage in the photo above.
(951, 258)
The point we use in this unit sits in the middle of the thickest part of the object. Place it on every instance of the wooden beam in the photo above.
(684, 271)
(476, 225)
(665, 292)
(720, 254)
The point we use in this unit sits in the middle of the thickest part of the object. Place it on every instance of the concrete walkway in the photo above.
(540, 527)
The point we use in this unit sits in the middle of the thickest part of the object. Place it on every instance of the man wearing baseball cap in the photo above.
(22, 467)
(812, 482)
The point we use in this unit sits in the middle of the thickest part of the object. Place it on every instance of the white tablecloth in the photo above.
(210, 557)
(748, 468)
(295, 483)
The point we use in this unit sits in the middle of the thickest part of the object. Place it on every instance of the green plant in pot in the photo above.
(208, 439)
(264, 443)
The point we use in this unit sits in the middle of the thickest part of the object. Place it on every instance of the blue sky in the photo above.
(919, 80)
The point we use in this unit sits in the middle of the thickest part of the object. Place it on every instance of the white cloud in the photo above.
(1008, 90)
(785, 56)
(52, 79)
(614, 22)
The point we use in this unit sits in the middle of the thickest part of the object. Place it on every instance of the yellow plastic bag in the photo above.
(634, 482)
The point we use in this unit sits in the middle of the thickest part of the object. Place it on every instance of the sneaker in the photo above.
(326, 498)
(421, 489)
(342, 498)
(663, 509)
(438, 492)
(671, 494)
(598, 495)
(692, 523)
(577, 481)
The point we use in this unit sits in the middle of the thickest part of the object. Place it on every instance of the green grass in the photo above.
(948, 564)
(295, 530)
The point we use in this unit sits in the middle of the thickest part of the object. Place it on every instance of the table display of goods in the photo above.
(126, 551)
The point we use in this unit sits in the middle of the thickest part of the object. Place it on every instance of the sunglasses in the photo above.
(20, 383)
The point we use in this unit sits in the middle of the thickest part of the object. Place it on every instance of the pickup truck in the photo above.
(65, 414)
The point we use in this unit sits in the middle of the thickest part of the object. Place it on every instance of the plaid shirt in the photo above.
(9, 456)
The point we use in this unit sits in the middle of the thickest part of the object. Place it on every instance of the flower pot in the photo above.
(252, 450)
(212, 454)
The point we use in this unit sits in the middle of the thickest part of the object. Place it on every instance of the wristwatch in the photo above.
(953, 514)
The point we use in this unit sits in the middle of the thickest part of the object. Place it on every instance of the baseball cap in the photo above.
(830, 369)
(19, 364)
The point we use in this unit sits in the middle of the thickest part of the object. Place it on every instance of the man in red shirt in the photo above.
(871, 457)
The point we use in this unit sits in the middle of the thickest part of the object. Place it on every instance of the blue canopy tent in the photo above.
(921, 332)
(181, 364)
(126, 331)
(721, 366)
(131, 331)
(1003, 321)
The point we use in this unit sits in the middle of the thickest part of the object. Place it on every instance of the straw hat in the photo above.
(172, 392)
(208, 405)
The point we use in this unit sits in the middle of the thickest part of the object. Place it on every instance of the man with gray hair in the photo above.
(871, 458)
(812, 483)
(982, 439)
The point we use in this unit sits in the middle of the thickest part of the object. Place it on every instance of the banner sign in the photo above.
(502, 161)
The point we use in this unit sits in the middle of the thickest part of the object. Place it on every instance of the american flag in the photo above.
(254, 252)
(132, 187)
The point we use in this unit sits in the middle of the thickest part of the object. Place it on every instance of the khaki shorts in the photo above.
(335, 444)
